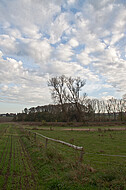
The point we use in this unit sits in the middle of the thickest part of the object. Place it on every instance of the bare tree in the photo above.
(67, 90)
(121, 108)
(103, 109)
(114, 107)
(58, 91)
(72, 95)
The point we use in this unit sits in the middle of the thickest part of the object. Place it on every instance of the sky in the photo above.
(40, 39)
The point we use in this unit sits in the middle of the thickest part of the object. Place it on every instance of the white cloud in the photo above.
(40, 50)
(73, 42)
(63, 52)
(107, 86)
(116, 38)
(76, 38)
(21, 85)
(71, 1)
(24, 13)
(84, 58)
(32, 31)
(4, 88)
(57, 28)
(7, 43)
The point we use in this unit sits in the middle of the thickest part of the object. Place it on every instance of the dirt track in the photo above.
(88, 129)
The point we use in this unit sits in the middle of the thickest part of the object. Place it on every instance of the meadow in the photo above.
(25, 162)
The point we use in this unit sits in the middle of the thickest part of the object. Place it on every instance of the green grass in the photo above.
(110, 142)
(15, 172)
(25, 163)
(96, 143)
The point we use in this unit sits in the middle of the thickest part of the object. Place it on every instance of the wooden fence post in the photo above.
(81, 155)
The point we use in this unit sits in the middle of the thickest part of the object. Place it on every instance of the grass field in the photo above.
(25, 163)
(16, 170)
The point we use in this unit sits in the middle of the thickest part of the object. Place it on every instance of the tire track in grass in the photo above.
(30, 169)
(15, 178)
(20, 164)
(4, 149)
(15, 174)
(29, 161)
(31, 177)
(25, 169)
(8, 165)
(2, 133)
(20, 174)
(13, 163)
(17, 169)
(22, 168)
(4, 156)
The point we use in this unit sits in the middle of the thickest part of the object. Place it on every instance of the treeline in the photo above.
(90, 110)
(72, 105)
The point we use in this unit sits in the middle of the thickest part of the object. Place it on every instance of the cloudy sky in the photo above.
(40, 39)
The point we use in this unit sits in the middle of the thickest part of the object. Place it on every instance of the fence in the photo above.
(81, 149)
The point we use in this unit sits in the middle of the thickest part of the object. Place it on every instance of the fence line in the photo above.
(61, 142)
(73, 146)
